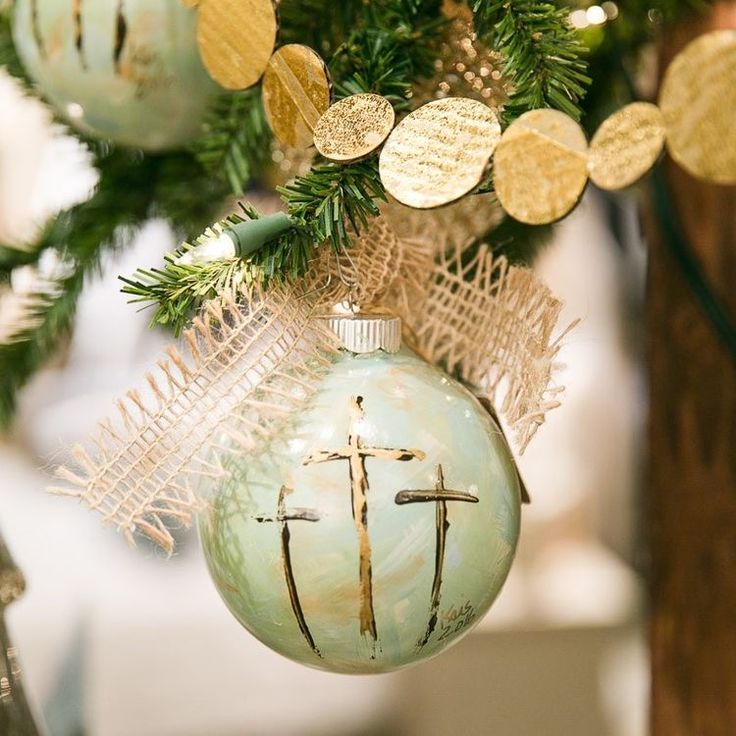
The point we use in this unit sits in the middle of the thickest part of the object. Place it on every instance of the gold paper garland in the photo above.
(626, 146)
(698, 103)
(354, 127)
(540, 167)
(296, 92)
(439, 152)
(236, 39)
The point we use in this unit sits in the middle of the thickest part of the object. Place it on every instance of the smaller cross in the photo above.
(283, 517)
(440, 496)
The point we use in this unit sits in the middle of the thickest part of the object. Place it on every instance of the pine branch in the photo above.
(327, 204)
(387, 53)
(236, 141)
(390, 51)
(178, 290)
(543, 54)
(321, 24)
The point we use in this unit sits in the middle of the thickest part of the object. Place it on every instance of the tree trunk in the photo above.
(693, 458)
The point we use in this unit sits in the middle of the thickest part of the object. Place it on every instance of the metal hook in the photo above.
(352, 286)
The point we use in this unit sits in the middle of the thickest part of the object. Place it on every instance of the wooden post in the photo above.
(693, 458)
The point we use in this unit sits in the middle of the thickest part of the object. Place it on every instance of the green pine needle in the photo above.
(236, 142)
(543, 55)
(178, 290)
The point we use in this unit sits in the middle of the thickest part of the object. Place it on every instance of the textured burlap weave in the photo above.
(261, 355)
(253, 359)
(492, 325)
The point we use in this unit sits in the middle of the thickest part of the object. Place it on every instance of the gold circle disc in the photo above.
(236, 39)
(626, 146)
(354, 127)
(540, 166)
(296, 91)
(439, 152)
(699, 107)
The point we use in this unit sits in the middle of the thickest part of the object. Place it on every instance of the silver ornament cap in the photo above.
(366, 332)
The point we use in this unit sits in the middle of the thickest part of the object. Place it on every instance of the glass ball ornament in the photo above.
(125, 71)
(378, 528)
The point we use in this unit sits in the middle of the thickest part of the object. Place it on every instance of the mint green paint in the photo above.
(407, 404)
(157, 95)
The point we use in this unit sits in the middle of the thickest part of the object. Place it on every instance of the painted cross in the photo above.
(355, 453)
(283, 517)
(440, 496)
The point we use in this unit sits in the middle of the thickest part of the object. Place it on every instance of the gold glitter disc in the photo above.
(626, 146)
(354, 127)
(296, 91)
(236, 39)
(439, 152)
(699, 107)
(540, 166)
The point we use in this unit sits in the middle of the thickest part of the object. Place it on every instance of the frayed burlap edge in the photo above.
(254, 358)
(259, 354)
(491, 325)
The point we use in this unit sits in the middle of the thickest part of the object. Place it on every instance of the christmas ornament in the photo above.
(541, 166)
(296, 91)
(127, 71)
(236, 39)
(439, 152)
(698, 107)
(380, 524)
(626, 146)
(354, 127)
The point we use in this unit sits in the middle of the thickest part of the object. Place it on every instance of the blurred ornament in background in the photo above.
(129, 72)
(16, 718)
(381, 522)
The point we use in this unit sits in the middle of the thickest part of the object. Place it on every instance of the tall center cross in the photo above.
(355, 453)
(439, 496)
(282, 518)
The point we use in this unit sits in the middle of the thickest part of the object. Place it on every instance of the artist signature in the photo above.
(455, 619)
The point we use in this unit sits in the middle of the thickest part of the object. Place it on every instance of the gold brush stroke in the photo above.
(440, 495)
(36, 28)
(79, 31)
(283, 518)
(356, 455)
(121, 33)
